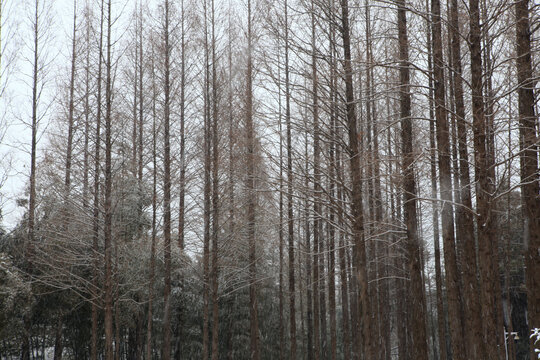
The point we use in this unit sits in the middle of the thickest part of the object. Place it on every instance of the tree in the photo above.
(530, 185)
(413, 246)
(359, 247)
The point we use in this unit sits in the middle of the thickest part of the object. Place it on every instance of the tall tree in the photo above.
(290, 221)
(108, 210)
(530, 179)
(251, 193)
(215, 192)
(58, 344)
(96, 203)
(484, 186)
(359, 246)
(151, 280)
(443, 146)
(413, 245)
(166, 352)
(464, 217)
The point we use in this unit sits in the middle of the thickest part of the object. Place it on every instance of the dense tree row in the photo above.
(273, 179)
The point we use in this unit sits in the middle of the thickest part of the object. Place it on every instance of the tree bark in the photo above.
(359, 246)
(251, 216)
(484, 186)
(215, 197)
(109, 354)
(166, 351)
(414, 248)
(290, 221)
(464, 217)
(445, 175)
(530, 186)
(96, 206)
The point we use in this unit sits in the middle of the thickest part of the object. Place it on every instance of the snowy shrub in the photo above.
(536, 334)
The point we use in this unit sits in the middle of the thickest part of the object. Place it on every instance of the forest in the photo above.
(269, 179)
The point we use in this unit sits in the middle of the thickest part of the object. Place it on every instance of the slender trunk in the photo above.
(96, 301)
(445, 173)
(494, 262)
(86, 153)
(182, 180)
(485, 233)
(207, 194)
(441, 324)
(109, 354)
(215, 197)
(464, 217)
(58, 344)
(414, 249)
(335, 178)
(359, 246)
(311, 327)
(250, 150)
(166, 352)
(282, 344)
(530, 187)
(149, 346)
(290, 221)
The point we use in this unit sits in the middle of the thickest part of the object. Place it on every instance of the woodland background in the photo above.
(319, 179)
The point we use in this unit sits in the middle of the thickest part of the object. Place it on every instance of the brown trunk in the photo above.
(490, 151)
(464, 218)
(414, 249)
(530, 187)
(332, 260)
(290, 221)
(445, 173)
(485, 224)
(149, 347)
(309, 293)
(166, 352)
(215, 198)
(441, 324)
(58, 344)
(86, 152)
(337, 181)
(282, 344)
(250, 150)
(207, 193)
(315, 281)
(332, 181)
(359, 246)
(27, 321)
(182, 195)
(96, 292)
(108, 195)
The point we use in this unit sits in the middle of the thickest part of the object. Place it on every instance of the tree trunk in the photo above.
(215, 198)
(441, 323)
(445, 173)
(484, 186)
(250, 152)
(530, 186)
(359, 246)
(149, 345)
(166, 352)
(108, 195)
(290, 221)
(417, 295)
(96, 210)
(464, 218)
